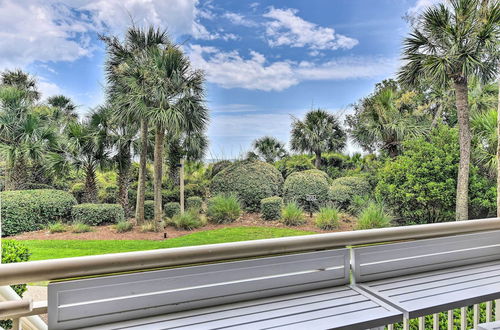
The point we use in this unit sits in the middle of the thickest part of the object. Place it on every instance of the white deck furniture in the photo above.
(297, 291)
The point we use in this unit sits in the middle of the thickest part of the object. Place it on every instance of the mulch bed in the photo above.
(109, 233)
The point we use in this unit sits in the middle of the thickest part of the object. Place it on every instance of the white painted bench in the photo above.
(297, 291)
(431, 275)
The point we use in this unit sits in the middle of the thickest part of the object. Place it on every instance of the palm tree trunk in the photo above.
(461, 100)
(141, 187)
(124, 179)
(90, 192)
(317, 161)
(158, 174)
(498, 152)
(17, 175)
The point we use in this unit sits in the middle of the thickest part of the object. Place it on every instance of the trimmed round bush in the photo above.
(251, 181)
(219, 166)
(14, 251)
(313, 171)
(78, 190)
(194, 202)
(223, 208)
(172, 208)
(149, 210)
(270, 207)
(29, 210)
(189, 220)
(97, 214)
(301, 184)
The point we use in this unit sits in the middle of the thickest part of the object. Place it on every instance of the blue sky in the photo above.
(265, 60)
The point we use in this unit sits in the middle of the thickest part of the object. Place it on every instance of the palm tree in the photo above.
(170, 94)
(319, 132)
(85, 147)
(386, 118)
(24, 136)
(451, 43)
(120, 71)
(21, 80)
(269, 148)
(64, 106)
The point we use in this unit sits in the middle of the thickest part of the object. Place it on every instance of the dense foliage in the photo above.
(98, 214)
(29, 210)
(251, 181)
(194, 202)
(189, 220)
(344, 189)
(300, 185)
(13, 251)
(270, 207)
(171, 209)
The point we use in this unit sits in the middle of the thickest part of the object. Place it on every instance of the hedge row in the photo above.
(29, 210)
(98, 214)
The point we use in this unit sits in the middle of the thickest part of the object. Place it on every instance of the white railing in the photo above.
(56, 269)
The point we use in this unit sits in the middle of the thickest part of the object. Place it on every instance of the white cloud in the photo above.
(233, 108)
(288, 29)
(238, 19)
(47, 88)
(230, 69)
(40, 31)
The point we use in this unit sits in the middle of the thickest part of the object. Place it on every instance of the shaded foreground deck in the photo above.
(65, 269)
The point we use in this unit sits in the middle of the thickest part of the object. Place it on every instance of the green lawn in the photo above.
(53, 249)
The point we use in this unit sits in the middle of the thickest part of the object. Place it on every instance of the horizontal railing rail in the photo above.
(56, 269)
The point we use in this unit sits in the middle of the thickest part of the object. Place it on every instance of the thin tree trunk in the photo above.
(124, 179)
(461, 98)
(498, 151)
(158, 174)
(90, 192)
(437, 116)
(317, 161)
(141, 187)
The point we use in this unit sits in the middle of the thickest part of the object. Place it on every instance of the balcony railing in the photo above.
(62, 269)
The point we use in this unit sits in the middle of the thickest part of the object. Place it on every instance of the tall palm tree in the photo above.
(386, 118)
(450, 43)
(21, 80)
(64, 106)
(269, 148)
(121, 70)
(170, 93)
(319, 132)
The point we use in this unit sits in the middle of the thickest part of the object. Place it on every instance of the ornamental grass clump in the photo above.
(124, 226)
(189, 220)
(57, 227)
(223, 208)
(328, 218)
(373, 216)
(80, 227)
(292, 215)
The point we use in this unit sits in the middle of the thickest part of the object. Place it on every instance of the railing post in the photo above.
(489, 305)
(463, 318)
(435, 322)
(16, 324)
(406, 324)
(450, 320)
(497, 310)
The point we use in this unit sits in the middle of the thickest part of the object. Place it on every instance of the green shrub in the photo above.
(149, 210)
(97, 214)
(34, 186)
(132, 198)
(57, 227)
(108, 194)
(149, 195)
(295, 163)
(292, 215)
(14, 251)
(171, 209)
(223, 208)
(270, 207)
(189, 220)
(343, 190)
(194, 202)
(29, 210)
(216, 167)
(124, 226)
(327, 218)
(373, 216)
(80, 227)
(301, 184)
(251, 181)
(359, 203)
(192, 189)
(78, 190)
